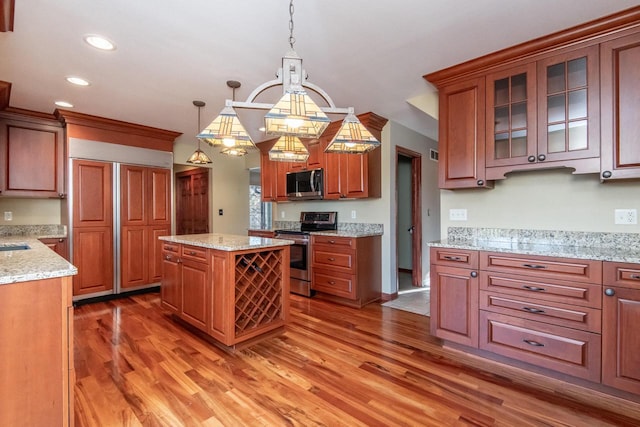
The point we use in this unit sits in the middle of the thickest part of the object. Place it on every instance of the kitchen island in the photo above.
(234, 289)
(36, 332)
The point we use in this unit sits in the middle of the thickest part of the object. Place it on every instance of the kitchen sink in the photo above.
(13, 248)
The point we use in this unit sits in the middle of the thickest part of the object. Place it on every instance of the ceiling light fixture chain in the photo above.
(292, 39)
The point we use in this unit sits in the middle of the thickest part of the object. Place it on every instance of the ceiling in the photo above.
(367, 54)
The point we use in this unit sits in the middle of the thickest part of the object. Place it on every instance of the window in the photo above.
(259, 211)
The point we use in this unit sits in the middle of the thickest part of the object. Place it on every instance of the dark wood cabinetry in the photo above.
(454, 295)
(171, 289)
(621, 317)
(620, 99)
(58, 245)
(546, 102)
(145, 216)
(345, 269)
(26, 141)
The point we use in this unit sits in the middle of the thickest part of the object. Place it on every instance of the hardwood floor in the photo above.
(334, 366)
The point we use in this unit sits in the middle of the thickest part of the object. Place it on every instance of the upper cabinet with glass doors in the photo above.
(544, 114)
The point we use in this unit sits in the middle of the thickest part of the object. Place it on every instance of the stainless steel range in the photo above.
(301, 249)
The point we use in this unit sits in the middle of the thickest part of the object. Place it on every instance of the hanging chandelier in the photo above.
(294, 116)
(199, 157)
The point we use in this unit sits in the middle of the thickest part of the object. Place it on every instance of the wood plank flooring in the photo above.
(334, 366)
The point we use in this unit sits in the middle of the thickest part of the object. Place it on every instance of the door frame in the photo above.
(416, 213)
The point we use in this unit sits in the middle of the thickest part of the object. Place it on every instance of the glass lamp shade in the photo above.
(199, 157)
(296, 114)
(289, 149)
(233, 151)
(226, 130)
(352, 138)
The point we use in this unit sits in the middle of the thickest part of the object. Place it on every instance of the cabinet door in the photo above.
(316, 155)
(93, 256)
(620, 103)
(171, 286)
(356, 173)
(569, 106)
(158, 196)
(333, 176)
(195, 293)
(454, 304)
(92, 194)
(281, 180)
(133, 188)
(511, 116)
(620, 339)
(462, 135)
(268, 174)
(59, 246)
(23, 145)
(155, 251)
(134, 256)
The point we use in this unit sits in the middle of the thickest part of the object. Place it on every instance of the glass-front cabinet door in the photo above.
(568, 106)
(511, 116)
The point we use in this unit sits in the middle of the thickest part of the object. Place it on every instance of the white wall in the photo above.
(545, 200)
(383, 210)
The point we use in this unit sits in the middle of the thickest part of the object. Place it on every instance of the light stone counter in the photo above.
(38, 262)
(617, 247)
(226, 242)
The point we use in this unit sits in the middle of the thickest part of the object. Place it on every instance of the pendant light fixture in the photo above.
(295, 114)
(199, 157)
(289, 148)
(226, 131)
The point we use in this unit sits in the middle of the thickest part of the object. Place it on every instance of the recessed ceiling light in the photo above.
(99, 42)
(64, 104)
(77, 81)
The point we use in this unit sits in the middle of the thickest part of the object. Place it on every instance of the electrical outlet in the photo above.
(353, 214)
(626, 216)
(8, 216)
(457, 214)
(282, 214)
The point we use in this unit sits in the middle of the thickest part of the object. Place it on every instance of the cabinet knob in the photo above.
(531, 159)
(480, 182)
(167, 257)
(609, 292)
(606, 174)
(332, 241)
(474, 274)
(635, 277)
(61, 195)
(542, 157)
(60, 240)
(332, 259)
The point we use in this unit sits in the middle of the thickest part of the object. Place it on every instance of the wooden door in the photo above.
(134, 257)
(620, 339)
(462, 135)
(316, 155)
(267, 178)
(158, 196)
(93, 256)
(192, 202)
(32, 161)
(454, 304)
(133, 195)
(333, 176)
(92, 194)
(620, 103)
(171, 288)
(155, 251)
(356, 170)
(195, 293)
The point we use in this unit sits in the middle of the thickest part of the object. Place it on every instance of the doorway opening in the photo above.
(192, 201)
(408, 220)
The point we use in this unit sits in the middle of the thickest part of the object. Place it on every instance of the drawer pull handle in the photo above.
(331, 282)
(192, 253)
(533, 310)
(533, 343)
(167, 257)
(452, 258)
(534, 266)
(635, 276)
(332, 241)
(332, 259)
(534, 288)
(170, 249)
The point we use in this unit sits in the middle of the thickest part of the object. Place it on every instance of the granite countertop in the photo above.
(616, 247)
(226, 242)
(38, 262)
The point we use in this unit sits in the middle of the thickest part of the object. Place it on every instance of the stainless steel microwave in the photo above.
(305, 185)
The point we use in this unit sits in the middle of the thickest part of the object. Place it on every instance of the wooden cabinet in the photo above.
(92, 227)
(261, 233)
(547, 101)
(58, 245)
(621, 317)
(273, 179)
(620, 99)
(145, 215)
(31, 157)
(171, 287)
(454, 295)
(346, 269)
(37, 370)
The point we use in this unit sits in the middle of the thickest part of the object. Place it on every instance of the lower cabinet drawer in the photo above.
(341, 285)
(583, 318)
(195, 253)
(565, 350)
(328, 257)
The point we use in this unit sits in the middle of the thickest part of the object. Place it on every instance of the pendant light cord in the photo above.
(292, 40)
